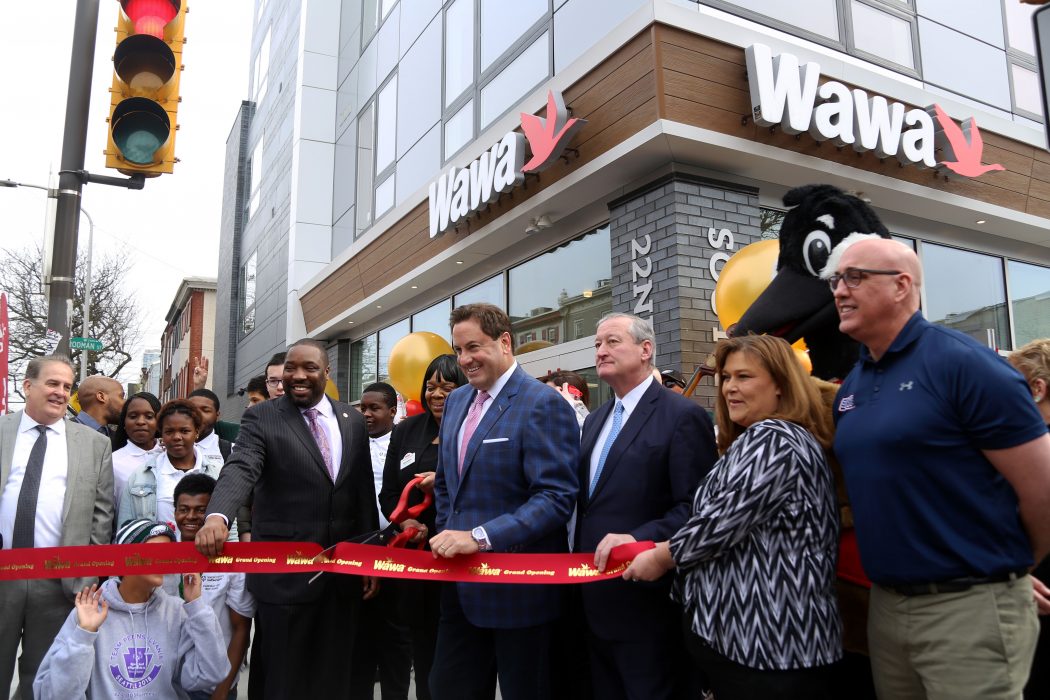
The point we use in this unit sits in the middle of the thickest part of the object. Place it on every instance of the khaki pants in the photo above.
(953, 646)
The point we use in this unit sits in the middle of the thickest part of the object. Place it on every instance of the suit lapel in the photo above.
(492, 416)
(75, 450)
(456, 413)
(8, 434)
(295, 421)
(628, 432)
(345, 435)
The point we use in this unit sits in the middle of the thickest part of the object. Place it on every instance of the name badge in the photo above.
(408, 460)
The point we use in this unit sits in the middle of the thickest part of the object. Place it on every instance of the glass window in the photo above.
(434, 319)
(385, 195)
(1019, 32)
(459, 129)
(363, 365)
(388, 5)
(365, 137)
(770, 221)
(345, 175)
(386, 125)
(1027, 95)
(256, 178)
(419, 85)
(514, 81)
(974, 303)
(248, 285)
(1029, 301)
(571, 283)
(817, 16)
(489, 292)
(882, 34)
(910, 242)
(262, 68)
(962, 64)
(459, 49)
(370, 20)
(502, 23)
(388, 338)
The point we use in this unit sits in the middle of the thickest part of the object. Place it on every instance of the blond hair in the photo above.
(800, 401)
(1033, 360)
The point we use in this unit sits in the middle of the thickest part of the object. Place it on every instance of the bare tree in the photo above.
(115, 315)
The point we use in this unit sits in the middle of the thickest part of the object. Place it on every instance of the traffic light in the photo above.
(144, 99)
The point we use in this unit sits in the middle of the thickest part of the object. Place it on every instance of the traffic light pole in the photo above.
(70, 184)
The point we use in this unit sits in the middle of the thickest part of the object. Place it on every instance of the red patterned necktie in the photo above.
(312, 416)
(471, 424)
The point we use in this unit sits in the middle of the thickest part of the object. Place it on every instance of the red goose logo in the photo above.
(789, 95)
(964, 144)
(549, 137)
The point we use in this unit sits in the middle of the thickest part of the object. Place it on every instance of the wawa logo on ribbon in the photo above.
(789, 95)
(462, 191)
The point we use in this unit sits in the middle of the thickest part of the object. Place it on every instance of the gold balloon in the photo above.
(743, 278)
(803, 357)
(331, 390)
(409, 359)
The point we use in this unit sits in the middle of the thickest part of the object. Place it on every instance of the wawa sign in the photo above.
(789, 95)
(462, 191)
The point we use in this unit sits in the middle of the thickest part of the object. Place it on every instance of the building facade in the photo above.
(351, 214)
(188, 336)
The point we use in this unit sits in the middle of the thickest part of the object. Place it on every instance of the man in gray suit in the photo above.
(57, 490)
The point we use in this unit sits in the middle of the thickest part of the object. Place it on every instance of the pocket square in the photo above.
(491, 440)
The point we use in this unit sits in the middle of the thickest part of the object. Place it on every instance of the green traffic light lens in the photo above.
(140, 128)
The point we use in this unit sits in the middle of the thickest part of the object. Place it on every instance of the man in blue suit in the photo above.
(643, 455)
(506, 482)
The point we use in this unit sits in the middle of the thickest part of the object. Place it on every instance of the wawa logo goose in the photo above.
(462, 191)
(789, 95)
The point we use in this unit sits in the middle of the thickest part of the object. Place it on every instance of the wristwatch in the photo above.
(479, 535)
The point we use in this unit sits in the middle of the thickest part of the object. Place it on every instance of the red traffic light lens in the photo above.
(140, 127)
(150, 16)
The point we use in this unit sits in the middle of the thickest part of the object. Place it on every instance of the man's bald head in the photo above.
(886, 294)
(102, 398)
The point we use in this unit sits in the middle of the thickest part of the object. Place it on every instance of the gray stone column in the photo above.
(669, 241)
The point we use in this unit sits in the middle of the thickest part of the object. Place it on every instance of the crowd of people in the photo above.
(943, 447)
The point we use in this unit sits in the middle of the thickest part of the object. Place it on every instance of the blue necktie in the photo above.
(617, 423)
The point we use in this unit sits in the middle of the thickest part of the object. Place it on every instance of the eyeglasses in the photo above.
(853, 276)
(273, 382)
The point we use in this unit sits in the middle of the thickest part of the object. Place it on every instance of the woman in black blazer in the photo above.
(414, 452)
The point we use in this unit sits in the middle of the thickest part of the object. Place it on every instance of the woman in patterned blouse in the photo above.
(756, 559)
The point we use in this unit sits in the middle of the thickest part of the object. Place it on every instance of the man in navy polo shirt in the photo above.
(947, 463)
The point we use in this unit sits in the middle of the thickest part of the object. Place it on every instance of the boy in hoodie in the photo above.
(152, 646)
(226, 594)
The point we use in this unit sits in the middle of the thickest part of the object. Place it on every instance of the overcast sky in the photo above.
(169, 230)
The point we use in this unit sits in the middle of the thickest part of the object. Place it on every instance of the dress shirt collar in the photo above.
(136, 451)
(632, 397)
(85, 418)
(382, 440)
(498, 385)
(165, 466)
(324, 407)
(27, 424)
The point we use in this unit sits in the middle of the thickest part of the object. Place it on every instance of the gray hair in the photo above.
(641, 330)
(36, 365)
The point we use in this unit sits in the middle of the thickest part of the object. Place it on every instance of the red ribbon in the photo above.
(307, 557)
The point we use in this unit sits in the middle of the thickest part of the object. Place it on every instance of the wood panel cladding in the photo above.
(705, 84)
(617, 98)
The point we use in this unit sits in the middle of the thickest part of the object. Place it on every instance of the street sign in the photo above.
(85, 344)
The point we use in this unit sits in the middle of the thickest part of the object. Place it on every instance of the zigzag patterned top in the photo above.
(756, 560)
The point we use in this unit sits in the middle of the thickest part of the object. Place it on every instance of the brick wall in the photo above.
(664, 237)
